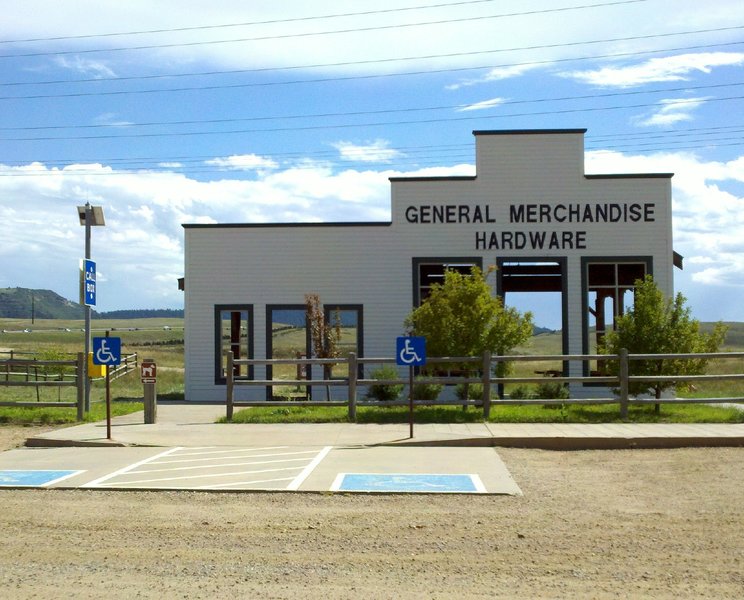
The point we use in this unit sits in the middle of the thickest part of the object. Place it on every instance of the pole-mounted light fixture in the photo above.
(90, 216)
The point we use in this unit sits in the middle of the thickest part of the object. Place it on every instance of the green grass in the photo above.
(62, 416)
(569, 413)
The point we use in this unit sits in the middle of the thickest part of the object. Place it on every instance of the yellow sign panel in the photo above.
(95, 371)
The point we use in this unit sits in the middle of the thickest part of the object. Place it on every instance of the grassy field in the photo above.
(159, 339)
(162, 340)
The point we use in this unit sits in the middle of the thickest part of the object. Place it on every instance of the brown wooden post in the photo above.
(353, 373)
(230, 384)
(624, 373)
(80, 384)
(486, 367)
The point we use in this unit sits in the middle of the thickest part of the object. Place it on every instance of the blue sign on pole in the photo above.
(89, 282)
(410, 351)
(106, 351)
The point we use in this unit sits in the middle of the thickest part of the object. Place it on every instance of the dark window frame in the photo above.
(477, 261)
(219, 379)
(328, 310)
(269, 354)
(646, 260)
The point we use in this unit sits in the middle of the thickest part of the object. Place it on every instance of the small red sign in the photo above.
(148, 371)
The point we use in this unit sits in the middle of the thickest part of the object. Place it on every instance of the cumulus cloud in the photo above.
(669, 68)
(482, 105)
(378, 151)
(671, 111)
(243, 162)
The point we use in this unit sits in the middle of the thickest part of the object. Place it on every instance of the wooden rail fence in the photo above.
(483, 365)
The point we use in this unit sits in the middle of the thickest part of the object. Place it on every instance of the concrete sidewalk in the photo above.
(194, 425)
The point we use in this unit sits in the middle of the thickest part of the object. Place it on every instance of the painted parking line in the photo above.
(213, 468)
(429, 483)
(34, 478)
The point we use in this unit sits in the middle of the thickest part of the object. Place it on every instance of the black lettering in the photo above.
(648, 213)
(438, 216)
(562, 209)
(634, 212)
(451, 215)
(507, 240)
(601, 210)
(493, 244)
(537, 239)
(425, 214)
(567, 240)
(464, 213)
(516, 213)
(520, 240)
(554, 245)
(581, 240)
(489, 218)
(544, 213)
(574, 213)
(412, 214)
(615, 213)
(532, 213)
(480, 240)
(588, 216)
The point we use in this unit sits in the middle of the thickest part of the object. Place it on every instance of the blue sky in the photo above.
(261, 111)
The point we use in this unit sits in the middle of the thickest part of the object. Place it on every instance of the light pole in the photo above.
(89, 216)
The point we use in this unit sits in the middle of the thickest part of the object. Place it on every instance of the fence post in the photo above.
(624, 373)
(230, 384)
(353, 374)
(486, 367)
(80, 384)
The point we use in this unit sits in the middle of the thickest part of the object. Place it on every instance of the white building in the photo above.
(530, 209)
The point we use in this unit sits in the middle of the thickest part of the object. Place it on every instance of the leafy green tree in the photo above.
(462, 318)
(660, 325)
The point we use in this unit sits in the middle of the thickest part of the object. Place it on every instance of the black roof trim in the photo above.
(275, 225)
(632, 176)
(433, 178)
(526, 131)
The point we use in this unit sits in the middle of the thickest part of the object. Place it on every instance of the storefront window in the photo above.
(234, 333)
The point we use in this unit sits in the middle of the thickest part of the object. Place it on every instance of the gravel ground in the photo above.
(592, 524)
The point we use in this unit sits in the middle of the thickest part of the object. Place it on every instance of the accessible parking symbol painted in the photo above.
(35, 478)
(427, 483)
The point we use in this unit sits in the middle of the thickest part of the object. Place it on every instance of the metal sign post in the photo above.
(410, 351)
(107, 351)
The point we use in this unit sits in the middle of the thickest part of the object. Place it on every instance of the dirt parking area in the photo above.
(591, 524)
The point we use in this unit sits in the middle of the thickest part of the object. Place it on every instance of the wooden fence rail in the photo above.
(11, 376)
(483, 368)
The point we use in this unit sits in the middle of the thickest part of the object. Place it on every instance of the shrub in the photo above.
(383, 391)
(426, 391)
(552, 391)
(474, 391)
(522, 392)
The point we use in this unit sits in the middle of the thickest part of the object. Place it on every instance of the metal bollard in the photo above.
(148, 373)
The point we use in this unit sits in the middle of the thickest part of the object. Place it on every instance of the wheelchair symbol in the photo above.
(408, 355)
(107, 351)
(104, 355)
(411, 351)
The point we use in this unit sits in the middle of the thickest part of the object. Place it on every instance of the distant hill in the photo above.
(19, 303)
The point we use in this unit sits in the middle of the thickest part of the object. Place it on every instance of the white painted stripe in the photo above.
(337, 482)
(479, 487)
(189, 453)
(309, 468)
(205, 467)
(188, 460)
(100, 480)
(138, 481)
(53, 481)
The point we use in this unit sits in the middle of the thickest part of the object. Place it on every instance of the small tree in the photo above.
(659, 325)
(462, 318)
(324, 336)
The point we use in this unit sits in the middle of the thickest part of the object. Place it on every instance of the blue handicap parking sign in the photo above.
(429, 483)
(410, 351)
(106, 351)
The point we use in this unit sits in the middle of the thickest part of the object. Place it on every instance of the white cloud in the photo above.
(671, 111)
(92, 68)
(482, 105)
(378, 151)
(243, 162)
(496, 74)
(669, 68)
